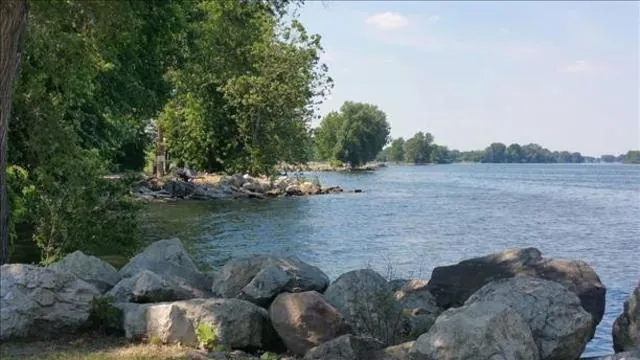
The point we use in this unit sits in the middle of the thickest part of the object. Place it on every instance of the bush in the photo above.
(71, 206)
(207, 338)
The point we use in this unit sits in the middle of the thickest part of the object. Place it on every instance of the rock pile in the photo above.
(235, 186)
(510, 305)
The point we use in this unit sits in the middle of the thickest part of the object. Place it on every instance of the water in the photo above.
(420, 217)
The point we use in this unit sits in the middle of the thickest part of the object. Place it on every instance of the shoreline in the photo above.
(218, 186)
(261, 302)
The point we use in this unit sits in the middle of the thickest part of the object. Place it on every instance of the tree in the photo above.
(632, 157)
(364, 132)
(327, 135)
(495, 153)
(247, 91)
(417, 150)
(396, 150)
(13, 19)
(514, 153)
(441, 155)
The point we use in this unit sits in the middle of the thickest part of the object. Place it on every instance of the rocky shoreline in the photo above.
(213, 187)
(515, 304)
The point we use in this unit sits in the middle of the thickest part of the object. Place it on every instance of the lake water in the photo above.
(419, 217)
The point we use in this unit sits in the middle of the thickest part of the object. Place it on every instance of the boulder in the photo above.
(238, 324)
(169, 260)
(345, 347)
(305, 320)
(294, 190)
(260, 278)
(145, 287)
(90, 269)
(626, 328)
(560, 326)
(180, 189)
(41, 302)
(396, 352)
(365, 299)
(452, 285)
(627, 355)
(419, 309)
(481, 330)
(162, 251)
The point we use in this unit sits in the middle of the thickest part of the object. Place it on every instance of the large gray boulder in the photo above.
(170, 251)
(365, 299)
(41, 302)
(346, 347)
(305, 320)
(626, 328)
(169, 260)
(560, 326)
(238, 324)
(482, 330)
(260, 278)
(146, 287)
(452, 285)
(419, 309)
(96, 272)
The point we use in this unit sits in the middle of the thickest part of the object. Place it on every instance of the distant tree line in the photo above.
(421, 149)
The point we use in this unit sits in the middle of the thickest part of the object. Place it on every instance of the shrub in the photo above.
(207, 338)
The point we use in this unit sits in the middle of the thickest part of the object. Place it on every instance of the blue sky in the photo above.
(560, 74)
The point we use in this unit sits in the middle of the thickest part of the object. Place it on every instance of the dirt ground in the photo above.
(90, 347)
(96, 346)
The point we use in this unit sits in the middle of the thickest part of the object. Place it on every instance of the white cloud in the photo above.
(580, 66)
(433, 19)
(388, 21)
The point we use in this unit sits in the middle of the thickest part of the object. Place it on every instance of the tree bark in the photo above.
(13, 19)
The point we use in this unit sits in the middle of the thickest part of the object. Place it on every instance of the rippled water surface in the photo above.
(420, 217)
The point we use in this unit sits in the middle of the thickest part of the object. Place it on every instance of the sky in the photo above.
(560, 74)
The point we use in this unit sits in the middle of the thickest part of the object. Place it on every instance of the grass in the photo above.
(90, 347)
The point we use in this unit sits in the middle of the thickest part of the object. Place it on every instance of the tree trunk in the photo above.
(13, 19)
(160, 159)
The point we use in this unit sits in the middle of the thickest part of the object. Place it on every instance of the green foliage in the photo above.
(418, 149)
(105, 316)
(206, 336)
(327, 136)
(355, 135)
(632, 157)
(155, 340)
(252, 106)
(441, 155)
(269, 356)
(396, 150)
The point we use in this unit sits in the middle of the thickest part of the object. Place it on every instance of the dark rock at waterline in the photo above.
(482, 330)
(452, 285)
(626, 328)
(560, 326)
